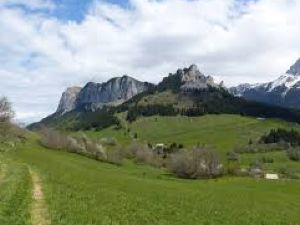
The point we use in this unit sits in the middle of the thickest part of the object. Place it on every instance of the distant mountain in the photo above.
(113, 92)
(187, 92)
(188, 79)
(284, 91)
(67, 101)
(95, 95)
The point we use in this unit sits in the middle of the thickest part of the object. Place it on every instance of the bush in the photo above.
(256, 168)
(282, 135)
(293, 154)
(234, 169)
(267, 160)
(261, 148)
(110, 141)
(143, 154)
(232, 156)
(79, 144)
(198, 163)
(289, 173)
(6, 114)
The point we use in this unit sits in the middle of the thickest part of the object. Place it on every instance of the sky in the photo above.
(49, 45)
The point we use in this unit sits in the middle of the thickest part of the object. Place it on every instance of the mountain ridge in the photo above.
(95, 95)
(283, 91)
(187, 92)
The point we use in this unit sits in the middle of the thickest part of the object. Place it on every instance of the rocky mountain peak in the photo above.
(295, 69)
(114, 91)
(192, 78)
(68, 100)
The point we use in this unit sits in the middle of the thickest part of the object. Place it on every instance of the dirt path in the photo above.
(39, 211)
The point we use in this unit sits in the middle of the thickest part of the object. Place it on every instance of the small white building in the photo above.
(271, 176)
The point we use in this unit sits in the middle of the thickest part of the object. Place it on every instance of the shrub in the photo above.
(282, 135)
(143, 154)
(293, 154)
(6, 114)
(234, 169)
(265, 159)
(108, 141)
(79, 144)
(289, 173)
(261, 148)
(198, 163)
(256, 168)
(232, 156)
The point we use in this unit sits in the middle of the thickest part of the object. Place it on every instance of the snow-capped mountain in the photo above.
(284, 91)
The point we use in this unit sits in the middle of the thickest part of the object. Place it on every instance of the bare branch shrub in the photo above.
(79, 144)
(201, 162)
(6, 114)
(143, 154)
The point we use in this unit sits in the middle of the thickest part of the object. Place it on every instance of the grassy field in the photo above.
(222, 132)
(81, 191)
(15, 192)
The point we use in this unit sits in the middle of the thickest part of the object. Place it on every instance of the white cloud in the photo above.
(230, 39)
(30, 4)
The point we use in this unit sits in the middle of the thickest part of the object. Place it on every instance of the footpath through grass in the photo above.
(81, 191)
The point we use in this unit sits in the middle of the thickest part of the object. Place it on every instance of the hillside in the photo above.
(187, 92)
(78, 190)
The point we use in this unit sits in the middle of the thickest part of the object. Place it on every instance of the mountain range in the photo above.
(284, 91)
(186, 92)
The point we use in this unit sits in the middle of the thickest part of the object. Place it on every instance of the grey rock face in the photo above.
(68, 100)
(192, 78)
(284, 91)
(115, 91)
(295, 69)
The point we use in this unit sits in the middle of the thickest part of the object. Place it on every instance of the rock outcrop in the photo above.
(68, 100)
(114, 92)
(192, 78)
(94, 95)
(295, 69)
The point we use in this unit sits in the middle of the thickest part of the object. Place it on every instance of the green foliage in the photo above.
(282, 135)
(204, 101)
(150, 110)
(172, 82)
(75, 121)
(294, 154)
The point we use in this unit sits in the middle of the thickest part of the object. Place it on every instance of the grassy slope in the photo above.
(221, 131)
(15, 192)
(82, 191)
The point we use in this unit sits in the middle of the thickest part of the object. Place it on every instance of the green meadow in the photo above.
(82, 191)
(222, 132)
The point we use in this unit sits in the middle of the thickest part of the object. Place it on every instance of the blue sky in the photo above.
(76, 9)
(42, 53)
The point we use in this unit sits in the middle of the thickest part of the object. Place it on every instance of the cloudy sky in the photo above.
(48, 45)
